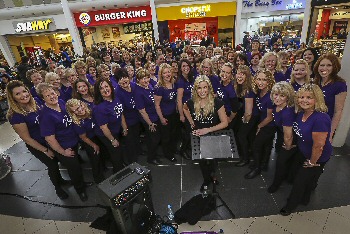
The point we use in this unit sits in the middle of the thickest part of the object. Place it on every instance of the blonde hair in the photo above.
(307, 77)
(77, 119)
(207, 60)
(13, 105)
(68, 72)
(246, 87)
(270, 80)
(286, 89)
(209, 108)
(42, 87)
(317, 93)
(161, 82)
(51, 75)
(141, 73)
(79, 63)
(264, 58)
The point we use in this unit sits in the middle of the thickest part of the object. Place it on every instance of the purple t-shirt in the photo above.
(255, 110)
(296, 86)
(284, 118)
(330, 91)
(187, 86)
(109, 113)
(264, 103)
(153, 83)
(90, 104)
(113, 81)
(90, 79)
(32, 122)
(66, 93)
(288, 74)
(215, 82)
(144, 100)
(59, 124)
(279, 76)
(252, 71)
(227, 94)
(87, 126)
(131, 114)
(317, 122)
(168, 102)
(33, 92)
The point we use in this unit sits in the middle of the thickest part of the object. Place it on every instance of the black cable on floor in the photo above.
(54, 204)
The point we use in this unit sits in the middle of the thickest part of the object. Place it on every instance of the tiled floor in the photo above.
(27, 179)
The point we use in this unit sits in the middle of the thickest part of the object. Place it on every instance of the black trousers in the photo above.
(52, 165)
(132, 144)
(305, 181)
(74, 169)
(246, 136)
(186, 136)
(114, 153)
(169, 135)
(263, 144)
(208, 168)
(286, 159)
(95, 160)
(153, 140)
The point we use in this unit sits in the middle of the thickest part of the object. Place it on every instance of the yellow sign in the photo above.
(33, 25)
(196, 11)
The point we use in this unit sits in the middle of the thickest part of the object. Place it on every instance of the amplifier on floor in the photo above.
(128, 194)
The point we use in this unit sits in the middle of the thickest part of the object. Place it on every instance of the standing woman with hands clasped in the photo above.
(206, 114)
(313, 129)
(23, 115)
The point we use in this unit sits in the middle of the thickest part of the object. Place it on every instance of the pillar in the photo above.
(344, 124)
(72, 28)
(154, 20)
(7, 51)
(306, 22)
(238, 34)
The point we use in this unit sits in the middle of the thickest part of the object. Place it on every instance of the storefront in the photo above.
(115, 26)
(330, 25)
(31, 36)
(194, 22)
(268, 16)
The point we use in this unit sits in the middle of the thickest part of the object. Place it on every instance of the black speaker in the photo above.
(128, 194)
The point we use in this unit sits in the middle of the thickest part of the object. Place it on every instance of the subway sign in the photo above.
(35, 25)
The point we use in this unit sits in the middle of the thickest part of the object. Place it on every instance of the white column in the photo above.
(72, 27)
(344, 125)
(7, 51)
(238, 35)
(306, 21)
(154, 20)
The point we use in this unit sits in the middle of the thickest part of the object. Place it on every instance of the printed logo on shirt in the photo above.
(204, 120)
(93, 125)
(258, 103)
(190, 88)
(297, 130)
(67, 120)
(37, 120)
(151, 96)
(118, 110)
(221, 94)
(172, 95)
(132, 102)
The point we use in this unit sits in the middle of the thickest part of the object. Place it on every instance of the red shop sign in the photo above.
(114, 16)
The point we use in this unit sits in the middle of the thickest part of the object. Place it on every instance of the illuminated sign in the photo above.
(259, 3)
(294, 5)
(196, 11)
(33, 25)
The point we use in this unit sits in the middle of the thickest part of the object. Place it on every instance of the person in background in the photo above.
(116, 56)
(34, 76)
(80, 68)
(270, 62)
(334, 87)
(313, 129)
(207, 69)
(22, 69)
(286, 69)
(83, 91)
(206, 114)
(174, 69)
(300, 74)
(23, 114)
(254, 63)
(151, 68)
(56, 126)
(310, 55)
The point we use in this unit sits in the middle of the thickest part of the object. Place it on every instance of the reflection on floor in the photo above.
(172, 184)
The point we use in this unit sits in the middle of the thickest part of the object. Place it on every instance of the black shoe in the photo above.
(272, 188)
(185, 155)
(285, 212)
(61, 194)
(65, 182)
(172, 159)
(83, 196)
(252, 165)
(253, 173)
(242, 163)
(154, 162)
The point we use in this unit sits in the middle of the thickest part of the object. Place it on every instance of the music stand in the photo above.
(217, 145)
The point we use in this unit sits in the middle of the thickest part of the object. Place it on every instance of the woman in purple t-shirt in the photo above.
(56, 126)
(300, 74)
(144, 101)
(262, 85)
(23, 115)
(151, 68)
(271, 63)
(312, 127)
(83, 91)
(334, 88)
(165, 102)
(207, 68)
(84, 125)
(71, 76)
(184, 86)
(282, 96)
(247, 129)
(108, 114)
